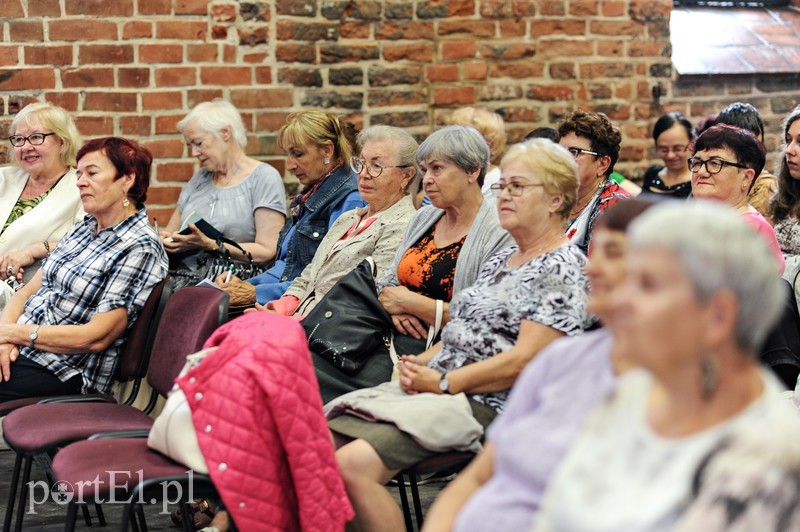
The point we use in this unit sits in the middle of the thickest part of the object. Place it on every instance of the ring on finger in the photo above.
(10, 269)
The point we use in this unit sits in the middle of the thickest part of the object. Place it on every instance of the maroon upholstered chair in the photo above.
(189, 318)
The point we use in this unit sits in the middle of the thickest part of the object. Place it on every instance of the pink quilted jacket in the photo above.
(258, 414)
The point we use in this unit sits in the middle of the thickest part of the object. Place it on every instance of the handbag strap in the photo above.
(433, 331)
(228, 242)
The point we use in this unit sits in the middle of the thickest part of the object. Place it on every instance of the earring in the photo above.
(326, 160)
(708, 377)
(125, 202)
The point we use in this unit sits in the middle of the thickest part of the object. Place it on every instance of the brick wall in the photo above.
(135, 67)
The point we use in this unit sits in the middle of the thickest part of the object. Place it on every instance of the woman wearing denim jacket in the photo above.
(318, 146)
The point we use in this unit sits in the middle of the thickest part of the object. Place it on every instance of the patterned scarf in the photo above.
(299, 201)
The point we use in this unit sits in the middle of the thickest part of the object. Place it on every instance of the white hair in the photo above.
(718, 250)
(215, 115)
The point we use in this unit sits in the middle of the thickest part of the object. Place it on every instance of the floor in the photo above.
(49, 516)
(735, 40)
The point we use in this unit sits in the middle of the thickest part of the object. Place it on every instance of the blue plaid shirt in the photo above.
(88, 274)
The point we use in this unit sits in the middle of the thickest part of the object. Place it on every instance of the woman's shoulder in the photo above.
(265, 171)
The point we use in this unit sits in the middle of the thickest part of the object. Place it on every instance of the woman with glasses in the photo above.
(525, 297)
(386, 168)
(673, 136)
(443, 250)
(319, 147)
(594, 142)
(242, 198)
(39, 201)
(724, 164)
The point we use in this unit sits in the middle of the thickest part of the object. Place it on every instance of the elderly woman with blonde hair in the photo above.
(525, 297)
(39, 201)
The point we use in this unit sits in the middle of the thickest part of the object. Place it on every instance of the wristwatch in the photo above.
(34, 335)
(444, 384)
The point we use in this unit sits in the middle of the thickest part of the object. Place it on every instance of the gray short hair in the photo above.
(718, 250)
(463, 146)
(215, 115)
(400, 139)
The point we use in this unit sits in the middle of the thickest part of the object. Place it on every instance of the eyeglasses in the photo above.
(576, 152)
(373, 170)
(713, 166)
(664, 150)
(37, 139)
(514, 189)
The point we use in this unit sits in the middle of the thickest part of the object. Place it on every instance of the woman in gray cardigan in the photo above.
(443, 251)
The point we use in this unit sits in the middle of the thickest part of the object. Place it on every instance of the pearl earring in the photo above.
(326, 160)
(125, 202)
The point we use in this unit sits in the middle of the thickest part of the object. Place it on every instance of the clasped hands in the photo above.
(416, 377)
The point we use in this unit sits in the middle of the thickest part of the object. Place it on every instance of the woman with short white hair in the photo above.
(700, 297)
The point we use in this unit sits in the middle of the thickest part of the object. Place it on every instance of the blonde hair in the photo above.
(215, 115)
(57, 120)
(489, 124)
(320, 129)
(552, 164)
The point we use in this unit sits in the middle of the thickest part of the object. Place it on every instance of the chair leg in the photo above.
(87, 518)
(187, 516)
(415, 496)
(72, 517)
(140, 515)
(23, 495)
(128, 518)
(12, 494)
(401, 486)
(101, 518)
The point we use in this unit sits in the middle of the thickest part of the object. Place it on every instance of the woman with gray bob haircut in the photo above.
(700, 296)
(442, 252)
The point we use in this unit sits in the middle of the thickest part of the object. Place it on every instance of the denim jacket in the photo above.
(313, 224)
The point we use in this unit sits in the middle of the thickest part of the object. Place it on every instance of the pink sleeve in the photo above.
(760, 224)
(286, 305)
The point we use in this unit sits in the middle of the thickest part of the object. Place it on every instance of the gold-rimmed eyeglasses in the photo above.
(373, 170)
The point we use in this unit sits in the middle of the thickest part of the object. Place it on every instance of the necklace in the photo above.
(583, 201)
(528, 256)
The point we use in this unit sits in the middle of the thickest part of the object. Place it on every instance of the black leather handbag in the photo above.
(210, 264)
(349, 325)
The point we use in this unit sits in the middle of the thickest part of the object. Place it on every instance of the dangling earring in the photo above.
(125, 203)
(326, 160)
(708, 377)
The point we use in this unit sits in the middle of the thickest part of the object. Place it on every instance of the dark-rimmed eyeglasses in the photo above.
(514, 189)
(373, 170)
(37, 139)
(713, 166)
(576, 152)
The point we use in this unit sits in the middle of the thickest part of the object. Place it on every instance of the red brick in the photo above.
(136, 29)
(229, 52)
(610, 48)
(165, 147)
(176, 76)
(264, 75)
(225, 75)
(394, 98)
(516, 70)
(403, 29)
(219, 32)
(161, 100)
(11, 8)
(476, 70)
(623, 91)
(100, 8)
(552, 7)
(162, 195)
(478, 28)
(647, 49)
(270, 122)
(512, 28)
(256, 58)
(551, 93)
(422, 53)
(26, 30)
(110, 101)
(135, 125)
(565, 47)
(27, 79)
(562, 70)
(614, 9)
(583, 8)
(81, 30)
(296, 53)
(67, 100)
(191, 7)
(453, 95)
(442, 72)
(202, 53)
(87, 77)
(458, 50)
(253, 36)
(508, 51)
(9, 55)
(41, 8)
(289, 30)
(160, 53)
(181, 29)
(48, 55)
(167, 124)
(337, 53)
(105, 54)
(519, 114)
(133, 77)
(496, 9)
(174, 171)
(445, 8)
(613, 69)
(94, 126)
(195, 96)
(551, 27)
(262, 98)
(354, 29)
(162, 215)
(155, 7)
(224, 12)
(610, 27)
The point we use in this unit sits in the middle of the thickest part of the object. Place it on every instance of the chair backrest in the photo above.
(191, 315)
(136, 352)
